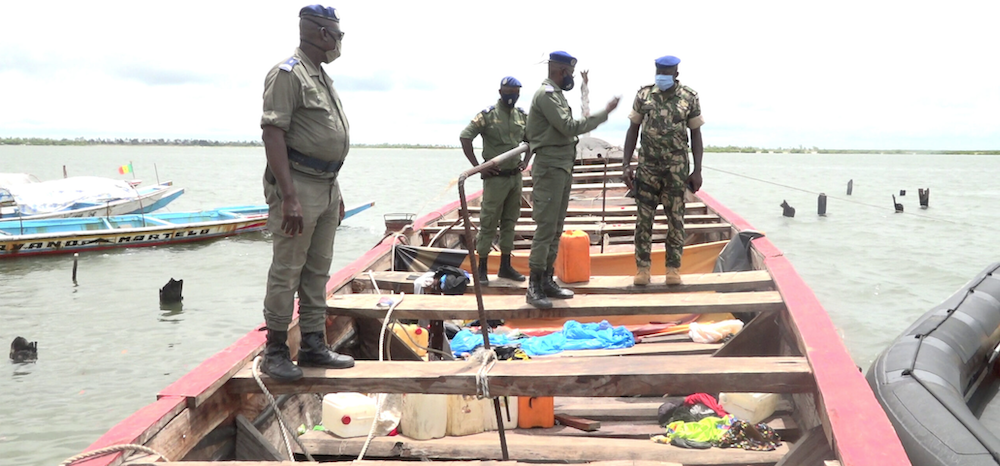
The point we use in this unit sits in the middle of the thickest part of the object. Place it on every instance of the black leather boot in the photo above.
(508, 272)
(314, 353)
(484, 278)
(277, 359)
(536, 297)
(552, 289)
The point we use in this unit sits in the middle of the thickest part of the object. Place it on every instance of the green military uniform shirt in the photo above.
(502, 129)
(552, 131)
(665, 117)
(300, 99)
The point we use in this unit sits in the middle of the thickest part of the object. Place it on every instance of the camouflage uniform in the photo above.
(666, 117)
(552, 134)
(502, 129)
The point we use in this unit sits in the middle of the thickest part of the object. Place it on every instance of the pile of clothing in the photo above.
(698, 421)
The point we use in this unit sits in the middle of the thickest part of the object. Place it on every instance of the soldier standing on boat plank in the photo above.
(552, 134)
(666, 111)
(306, 141)
(502, 129)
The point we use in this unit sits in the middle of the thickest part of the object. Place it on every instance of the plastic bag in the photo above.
(714, 332)
(465, 341)
(575, 335)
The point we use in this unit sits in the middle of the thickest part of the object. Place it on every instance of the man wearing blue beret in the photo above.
(665, 111)
(306, 141)
(552, 134)
(502, 129)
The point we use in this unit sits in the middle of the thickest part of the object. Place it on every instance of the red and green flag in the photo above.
(124, 169)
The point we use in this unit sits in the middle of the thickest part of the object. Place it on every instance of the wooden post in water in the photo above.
(925, 197)
(64, 172)
(850, 187)
(822, 205)
(76, 256)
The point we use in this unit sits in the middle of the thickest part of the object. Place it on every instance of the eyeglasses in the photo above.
(339, 35)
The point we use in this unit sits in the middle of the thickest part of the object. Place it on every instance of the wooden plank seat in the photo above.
(608, 211)
(584, 376)
(437, 307)
(595, 219)
(524, 446)
(756, 280)
(618, 186)
(596, 231)
(613, 175)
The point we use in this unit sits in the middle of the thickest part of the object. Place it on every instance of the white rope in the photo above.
(487, 359)
(381, 351)
(270, 399)
(371, 276)
(112, 449)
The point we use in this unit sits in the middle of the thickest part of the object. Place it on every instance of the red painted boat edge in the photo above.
(861, 432)
(130, 430)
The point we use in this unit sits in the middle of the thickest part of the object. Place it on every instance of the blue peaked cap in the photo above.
(667, 61)
(327, 12)
(562, 57)
(510, 81)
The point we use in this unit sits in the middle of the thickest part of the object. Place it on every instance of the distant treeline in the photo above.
(210, 143)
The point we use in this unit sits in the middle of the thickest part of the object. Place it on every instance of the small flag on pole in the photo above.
(124, 169)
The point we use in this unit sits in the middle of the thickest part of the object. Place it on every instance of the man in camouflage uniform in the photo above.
(502, 128)
(306, 141)
(552, 134)
(665, 111)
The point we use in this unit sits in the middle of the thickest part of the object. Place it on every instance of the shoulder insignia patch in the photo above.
(488, 109)
(522, 110)
(549, 88)
(289, 64)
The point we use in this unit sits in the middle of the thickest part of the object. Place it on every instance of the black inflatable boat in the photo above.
(938, 381)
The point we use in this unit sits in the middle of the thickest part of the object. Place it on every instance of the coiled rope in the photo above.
(112, 449)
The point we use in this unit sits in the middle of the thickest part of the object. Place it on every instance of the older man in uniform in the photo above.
(665, 111)
(552, 134)
(502, 129)
(306, 141)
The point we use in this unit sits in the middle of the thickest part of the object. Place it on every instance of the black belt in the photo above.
(314, 163)
(510, 172)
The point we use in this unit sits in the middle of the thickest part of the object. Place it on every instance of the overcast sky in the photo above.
(847, 75)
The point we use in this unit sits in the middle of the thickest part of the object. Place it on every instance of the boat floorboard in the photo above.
(651, 375)
(609, 210)
(525, 446)
(528, 231)
(756, 280)
(465, 307)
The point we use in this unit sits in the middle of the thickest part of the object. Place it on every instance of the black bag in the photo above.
(450, 280)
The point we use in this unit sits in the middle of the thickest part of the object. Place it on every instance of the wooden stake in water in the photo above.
(76, 256)
(64, 172)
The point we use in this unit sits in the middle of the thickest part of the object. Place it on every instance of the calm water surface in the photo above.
(106, 348)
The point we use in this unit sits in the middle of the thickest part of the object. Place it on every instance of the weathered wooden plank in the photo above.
(579, 423)
(251, 444)
(756, 280)
(526, 190)
(644, 349)
(629, 219)
(438, 307)
(607, 211)
(811, 450)
(535, 448)
(185, 430)
(645, 375)
(613, 229)
(393, 463)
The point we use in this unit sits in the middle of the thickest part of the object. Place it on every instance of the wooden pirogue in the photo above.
(828, 414)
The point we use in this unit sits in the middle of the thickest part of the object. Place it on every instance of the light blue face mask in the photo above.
(664, 81)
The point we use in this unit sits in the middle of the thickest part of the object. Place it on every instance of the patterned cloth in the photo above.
(747, 436)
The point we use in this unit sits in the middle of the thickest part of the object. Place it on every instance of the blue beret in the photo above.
(667, 61)
(510, 81)
(321, 11)
(562, 57)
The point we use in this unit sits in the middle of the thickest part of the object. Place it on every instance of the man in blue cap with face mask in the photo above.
(552, 134)
(502, 128)
(665, 111)
(306, 141)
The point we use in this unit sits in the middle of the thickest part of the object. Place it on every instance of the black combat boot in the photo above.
(277, 359)
(508, 272)
(484, 278)
(536, 297)
(314, 353)
(552, 289)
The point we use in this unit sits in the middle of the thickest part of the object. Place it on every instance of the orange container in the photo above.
(535, 411)
(573, 261)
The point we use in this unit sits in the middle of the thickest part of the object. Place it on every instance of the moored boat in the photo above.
(82, 196)
(788, 348)
(938, 380)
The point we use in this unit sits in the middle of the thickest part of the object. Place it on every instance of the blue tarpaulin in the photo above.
(573, 336)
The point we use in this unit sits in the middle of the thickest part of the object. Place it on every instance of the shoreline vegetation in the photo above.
(211, 143)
